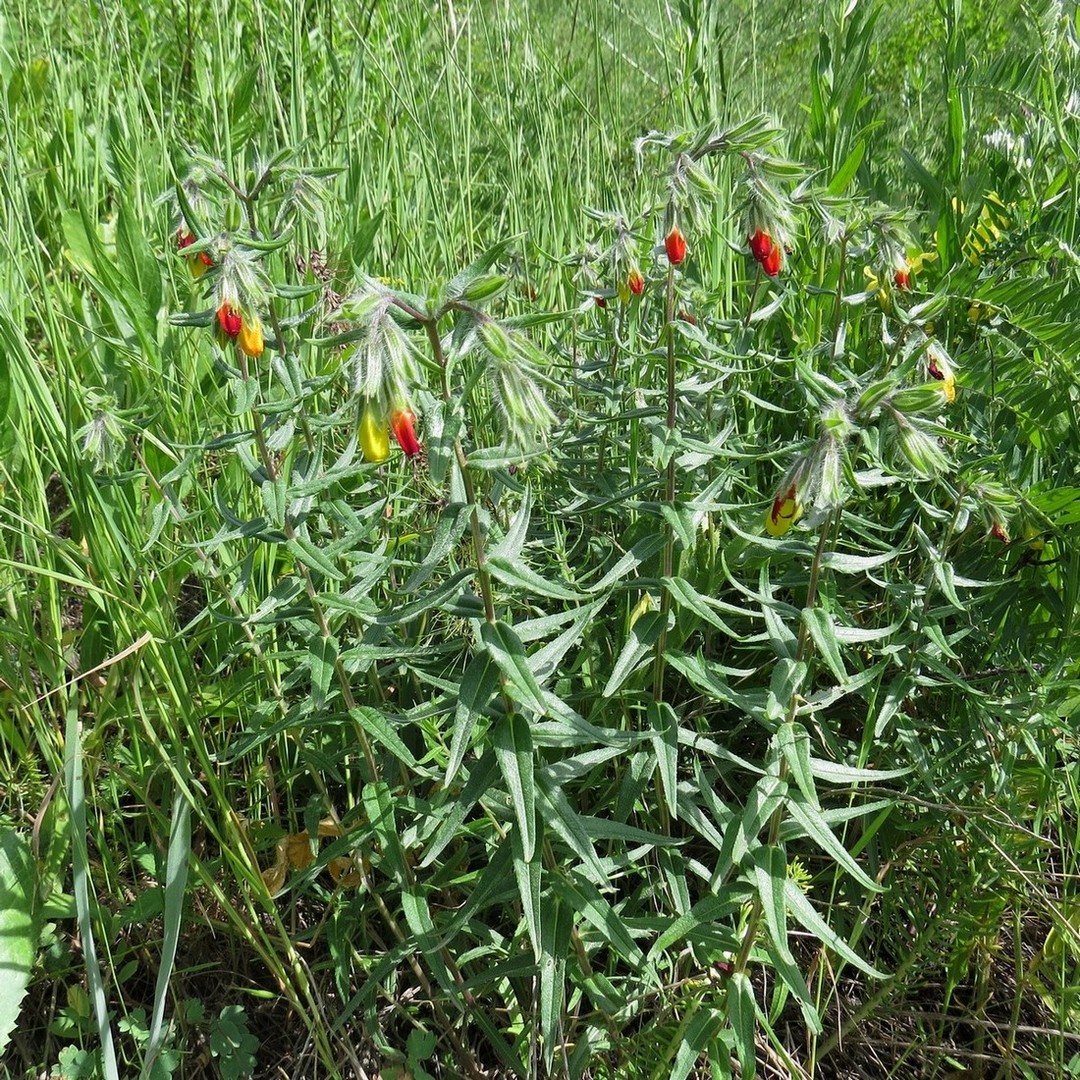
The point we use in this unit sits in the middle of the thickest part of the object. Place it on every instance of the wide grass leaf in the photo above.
(18, 927)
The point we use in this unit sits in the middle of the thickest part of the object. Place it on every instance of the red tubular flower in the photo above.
(601, 301)
(675, 246)
(772, 262)
(403, 425)
(230, 320)
(635, 282)
(761, 245)
(184, 239)
(902, 279)
(999, 532)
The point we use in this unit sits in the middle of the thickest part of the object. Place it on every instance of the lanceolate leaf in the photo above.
(665, 740)
(800, 907)
(478, 686)
(509, 654)
(637, 647)
(742, 1014)
(527, 873)
(555, 931)
(514, 752)
(585, 899)
(810, 818)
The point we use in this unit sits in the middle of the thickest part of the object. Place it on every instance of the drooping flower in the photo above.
(403, 425)
(786, 509)
(772, 262)
(198, 263)
(374, 435)
(939, 368)
(229, 319)
(250, 339)
(675, 246)
(761, 245)
(767, 251)
(635, 282)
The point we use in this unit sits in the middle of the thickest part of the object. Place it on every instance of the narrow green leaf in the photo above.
(396, 616)
(76, 794)
(478, 686)
(379, 727)
(176, 872)
(379, 804)
(639, 553)
(452, 523)
(846, 173)
(555, 931)
(799, 906)
(637, 647)
(508, 653)
(770, 873)
(481, 778)
(512, 543)
(705, 912)
(794, 743)
(527, 873)
(303, 550)
(764, 797)
(515, 573)
(741, 1012)
(693, 1037)
(561, 818)
(513, 746)
(665, 740)
(684, 594)
(818, 622)
(322, 656)
(810, 818)
(585, 899)
(418, 917)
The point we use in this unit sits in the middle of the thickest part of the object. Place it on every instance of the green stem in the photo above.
(668, 555)
(483, 576)
(777, 817)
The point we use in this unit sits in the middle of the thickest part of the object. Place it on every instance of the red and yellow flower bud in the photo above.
(250, 338)
(675, 246)
(784, 512)
(374, 436)
(230, 320)
(199, 263)
(939, 368)
(903, 279)
(635, 282)
(403, 425)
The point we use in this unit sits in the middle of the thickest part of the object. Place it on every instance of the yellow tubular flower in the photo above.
(250, 338)
(374, 435)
